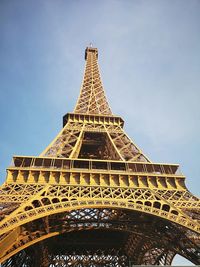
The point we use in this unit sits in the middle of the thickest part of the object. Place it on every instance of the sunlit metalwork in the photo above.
(93, 198)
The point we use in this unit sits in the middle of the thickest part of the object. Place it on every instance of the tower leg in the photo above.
(44, 257)
(41, 256)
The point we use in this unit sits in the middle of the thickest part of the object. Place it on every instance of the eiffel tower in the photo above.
(93, 198)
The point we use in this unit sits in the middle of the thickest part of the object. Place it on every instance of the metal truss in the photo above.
(59, 199)
(92, 98)
(116, 145)
(92, 198)
(144, 239)
(86, 258)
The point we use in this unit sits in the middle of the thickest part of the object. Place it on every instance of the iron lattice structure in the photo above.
(92, 198)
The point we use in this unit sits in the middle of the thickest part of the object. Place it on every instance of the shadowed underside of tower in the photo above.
(93, 198)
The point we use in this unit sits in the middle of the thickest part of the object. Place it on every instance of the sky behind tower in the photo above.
(149, 60)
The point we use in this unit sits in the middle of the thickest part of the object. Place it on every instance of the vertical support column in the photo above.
(41, 256)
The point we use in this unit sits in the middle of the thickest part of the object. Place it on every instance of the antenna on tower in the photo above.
(90, 44)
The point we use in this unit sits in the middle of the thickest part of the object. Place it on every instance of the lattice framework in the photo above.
(93, 178)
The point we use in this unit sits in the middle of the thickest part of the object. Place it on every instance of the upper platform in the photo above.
(89, 50)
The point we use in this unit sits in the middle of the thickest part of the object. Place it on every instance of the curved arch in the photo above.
(41, 211)
(68, 223)
(30, 239)
(30, 243)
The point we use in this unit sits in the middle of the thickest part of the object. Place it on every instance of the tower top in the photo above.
(92, 98)
(92, 50)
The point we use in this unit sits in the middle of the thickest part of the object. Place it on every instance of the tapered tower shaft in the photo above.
(92, 99)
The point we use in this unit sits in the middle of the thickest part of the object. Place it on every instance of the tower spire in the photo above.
(92, 99)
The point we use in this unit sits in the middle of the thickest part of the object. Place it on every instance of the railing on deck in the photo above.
(60, 163)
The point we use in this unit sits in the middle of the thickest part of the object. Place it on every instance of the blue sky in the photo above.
(150, 64)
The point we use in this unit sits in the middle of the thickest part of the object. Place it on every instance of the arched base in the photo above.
(140, 238)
